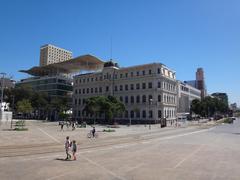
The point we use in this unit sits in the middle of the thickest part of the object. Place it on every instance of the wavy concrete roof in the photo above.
(85, 62)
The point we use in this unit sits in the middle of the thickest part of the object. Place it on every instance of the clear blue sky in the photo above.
(183, 34)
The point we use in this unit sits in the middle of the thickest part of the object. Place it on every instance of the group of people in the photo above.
(72, 145)
(68, 145)
(68, 124)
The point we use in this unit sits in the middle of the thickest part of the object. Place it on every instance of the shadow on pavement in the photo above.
(63, 159)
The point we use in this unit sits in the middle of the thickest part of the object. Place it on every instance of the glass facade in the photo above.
(53, 86)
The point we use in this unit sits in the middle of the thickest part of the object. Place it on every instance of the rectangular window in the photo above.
(150, 114)
(132, 99)
(100, 89)
(138, 99)
(126, 87)
(150, 71)
(159, 114)
(107, 88)
(150, 85)
(126, 99)
(143, 73)
(137, 86)
(115, 88)
(159, 84)
(121, 87)
(131, 74)
(144, 114)
(143, 85)
(126, 75)
(132, 86)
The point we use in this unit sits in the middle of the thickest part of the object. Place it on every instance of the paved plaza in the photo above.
(130, 153)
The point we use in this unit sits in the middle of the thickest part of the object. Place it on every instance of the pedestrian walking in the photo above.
(73, 126)
(74, 149)
(67, 125)
(93, 132)
(67, 148)
(62, 124)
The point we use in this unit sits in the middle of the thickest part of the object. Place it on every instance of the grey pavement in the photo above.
(129, 154)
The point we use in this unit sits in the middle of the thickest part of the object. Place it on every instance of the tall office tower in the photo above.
(50, 54)
(200, 82)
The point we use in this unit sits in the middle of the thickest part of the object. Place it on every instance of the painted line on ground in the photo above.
(103, 168)
(53, 138)
(117, 146)
(93, 163)
(61, 175)
(188, 157)
(135, 167)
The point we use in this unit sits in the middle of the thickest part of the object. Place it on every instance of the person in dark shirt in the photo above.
(93, 131)
(74, 149)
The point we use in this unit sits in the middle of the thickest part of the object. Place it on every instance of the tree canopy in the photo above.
(42, 104)
(209, 106)
(110, 106)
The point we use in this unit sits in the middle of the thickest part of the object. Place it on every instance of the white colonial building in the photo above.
(148, 91)
(186, 94)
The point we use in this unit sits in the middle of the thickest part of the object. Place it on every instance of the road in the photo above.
(173, 154)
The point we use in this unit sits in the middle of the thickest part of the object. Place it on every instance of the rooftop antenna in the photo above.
(111, 49)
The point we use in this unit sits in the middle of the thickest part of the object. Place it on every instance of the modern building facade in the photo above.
(186, 94)
(50, 54)
(199, 83)
(148, 91)
(54, 86)
(56, 79)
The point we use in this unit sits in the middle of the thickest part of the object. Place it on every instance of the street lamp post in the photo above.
(2, 88)
(150, 102)
(12, 110)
